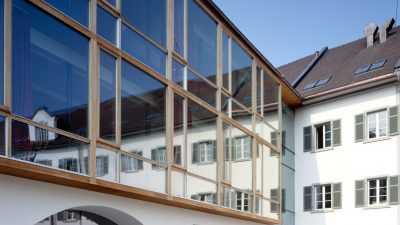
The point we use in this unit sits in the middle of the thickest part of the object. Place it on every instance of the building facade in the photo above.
(139, 112)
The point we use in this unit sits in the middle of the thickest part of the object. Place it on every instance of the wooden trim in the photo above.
(107, 6)
(94, 81)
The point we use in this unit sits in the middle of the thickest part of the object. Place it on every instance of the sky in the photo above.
(286, 30)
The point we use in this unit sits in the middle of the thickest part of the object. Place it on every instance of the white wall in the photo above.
(346, 163)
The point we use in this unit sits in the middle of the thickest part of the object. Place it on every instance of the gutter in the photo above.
(352, 88)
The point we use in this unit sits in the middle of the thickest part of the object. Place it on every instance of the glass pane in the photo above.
(178, 26)
(108, 90)
(76, 9)
(227, 152)
(149, 16)
(241, 75)
(141, 49)
(202, 41)
(202, 141)
(271, 100)
(242, 165)
(225, 61)
(112, 2)
(106, 164)
(228, 197)
(225, 104)
(106, 25)
(142, 111)
(382, 123)
(268, 209)
(271, 167)
(178, 181)
(201, 190)
(2, 135)
(147, 176)
(179, 138)
(199, 87)
(178, 73)
(260, 92)
(2, 50)
(50, 70)
(241, 115)
(36, 145)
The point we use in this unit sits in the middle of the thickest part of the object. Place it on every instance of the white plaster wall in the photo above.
(346, 163)
(25, 202)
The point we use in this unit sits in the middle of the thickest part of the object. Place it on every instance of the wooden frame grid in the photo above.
(97, 44)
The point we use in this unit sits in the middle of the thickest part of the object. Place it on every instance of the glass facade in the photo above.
(159, 120)
(2, 50)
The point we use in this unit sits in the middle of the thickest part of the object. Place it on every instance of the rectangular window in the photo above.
(178, 73)
(106, 25)
(179, 26)
(205, 197)
(45, 162)
(242, 148)
(102, 163)
(141, 49)
(201, 88)
(241, 67)
(106, 164)
(159, 155)
(108, 91)
(323, 135)
(130, 164)
(76, 9)
(70, 164)
(50, 69)
(149, 16)
(202, 41)
(323, 196)
(377, 191)
(206, 152)
(177, 155)
(242, 201)
(1, 55)
(377, 124)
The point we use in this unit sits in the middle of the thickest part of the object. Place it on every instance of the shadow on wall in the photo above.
(90, 215)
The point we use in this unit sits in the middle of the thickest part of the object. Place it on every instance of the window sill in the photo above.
(204, 163)
(322, 211)
(131, 171)
(322, 150)
(385, 206)
(242, 160)
(376, 139)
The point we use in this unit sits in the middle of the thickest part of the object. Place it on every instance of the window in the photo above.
(241, 66)
(68, 216)
(70, 164)
(225, 60)
(50, 68)
(323, 81)
(205, 197)
(310, 85)
(179, 26)
(206, 150)
(76, 9)
(202, 41)
(131, 164)
(102, 164)
(243, 148)
(323, 196)
(177, 155)
(243, 201)
(159, 155)
(106, 25)
(178, 73)
(377, 125)
(377, 65)
(362, 69)
(45, 162)
(323, 135)
(1, 55)
(201, 88)
(149, 16)
(377, 191)
(108, 91)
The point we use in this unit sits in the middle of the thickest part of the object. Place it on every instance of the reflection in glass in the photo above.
(106, 25)
(202, 141)
(242, 162)
(76, 9)
(199, 87)
(76, 217)
(260, 92)
(140, 48)
(201, 190)
(2, 135)
(2, 50)
(225, 104)
(179, 138)
(241, 75)
(269, 209)
(178, 73)
(108, 91)
(225, 60)
(202, 41)
(142, 111)
(237, 200)
(178, 26)
(149, 16)
(270, 176)
(227, 152)
(178, 181)
(50, 70)
(112, 2)
(241, 115)
(106, 164)
(37, 145)
(148, 176)
(271, 99)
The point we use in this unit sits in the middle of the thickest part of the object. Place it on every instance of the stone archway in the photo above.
(90, 215)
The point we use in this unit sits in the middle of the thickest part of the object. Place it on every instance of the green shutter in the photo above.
(337, 196)
(359, 127)
(274, 138)
(307, 199)
(393, 120)
(283, 200)
(307, 139)
(154, 158)
(360, 196)
(106, 164)
(195, 153)
(336, 130)
(214, 146)
(226, 147)
(274, 197)
(394, 190)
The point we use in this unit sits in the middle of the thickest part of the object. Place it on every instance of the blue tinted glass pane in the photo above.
(178, 72)
(200, 88)
(241, 75)
(50, 70)
(2, 135)
(142, 111)
(106, 25)
(76, 9)
(202, 41)
(377, 65)
(108, 90)
(178, 26)
(322, 82)
(112, 2)
(143, 50)
(362, 69)
(36, 145)
(1, 50)
(149, 16)
(310, 85)
(225, 61)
